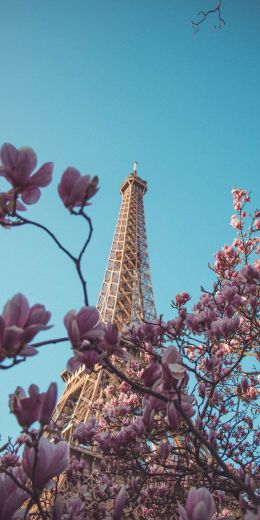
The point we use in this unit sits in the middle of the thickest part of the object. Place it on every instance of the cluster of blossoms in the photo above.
(168, 378)
(22, 478)
(240, 197)
(17, 166)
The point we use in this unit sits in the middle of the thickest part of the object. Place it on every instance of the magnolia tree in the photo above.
(175, 433)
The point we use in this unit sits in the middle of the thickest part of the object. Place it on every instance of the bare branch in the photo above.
(203, 15)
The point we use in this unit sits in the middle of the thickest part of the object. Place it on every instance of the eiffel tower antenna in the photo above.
(126, 297)
(134, 170)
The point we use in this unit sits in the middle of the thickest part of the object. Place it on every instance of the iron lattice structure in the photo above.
(126, 297)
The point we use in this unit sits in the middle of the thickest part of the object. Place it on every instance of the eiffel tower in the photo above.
(126, 297)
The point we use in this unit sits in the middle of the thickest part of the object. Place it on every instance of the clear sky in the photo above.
(98, 84)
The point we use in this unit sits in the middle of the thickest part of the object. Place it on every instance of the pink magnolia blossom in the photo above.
(89, 358)
(85, 332)
(110, 342)
(17, 167)
(228, 294)
(187, 402)
(76, 190)
(103, 439)
(84, 325)
(182, 298)
(252, 392)
(240, 196)
(225, 327)
(226, 260)
(200, 505)
(137, 426)
(85, 432)
(19, 324)
(74, 510)
(151, 374)
(144, 332)
(171, 365)
(235, 222)
(52, 460)
(11, 495)
(36, 407)
(257, 224)
(249, 274)
(75, 468)
(31, 319)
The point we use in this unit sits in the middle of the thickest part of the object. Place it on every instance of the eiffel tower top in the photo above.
(126, 295)
(133, 177)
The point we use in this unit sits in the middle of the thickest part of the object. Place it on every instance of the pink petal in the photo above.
(60, 460)
(87, 318)
(69, 177)
(96, 333)
(16, 311)
(52, 460)
(28, 351)
(38, 315)
(67, 318)
(33, 390)
(20, 206)
(9, 155)
(28, 460)
(31, 331)
(7, 174)
(172, 416)
(74, 363)
(26, 162)
(31, 195)
(183, 513)
(2, 328)
(13, 499)
(49, 403)
(43, 176)
(78, 193)
(201, 512)
(73, 332)
(120, 503)
(12, 340)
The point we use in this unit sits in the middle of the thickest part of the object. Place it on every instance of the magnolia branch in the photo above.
(197, 434)
(75, 259)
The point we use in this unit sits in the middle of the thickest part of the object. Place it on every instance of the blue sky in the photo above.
(97, 85)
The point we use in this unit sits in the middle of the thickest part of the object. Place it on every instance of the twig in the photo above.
(204, 15)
